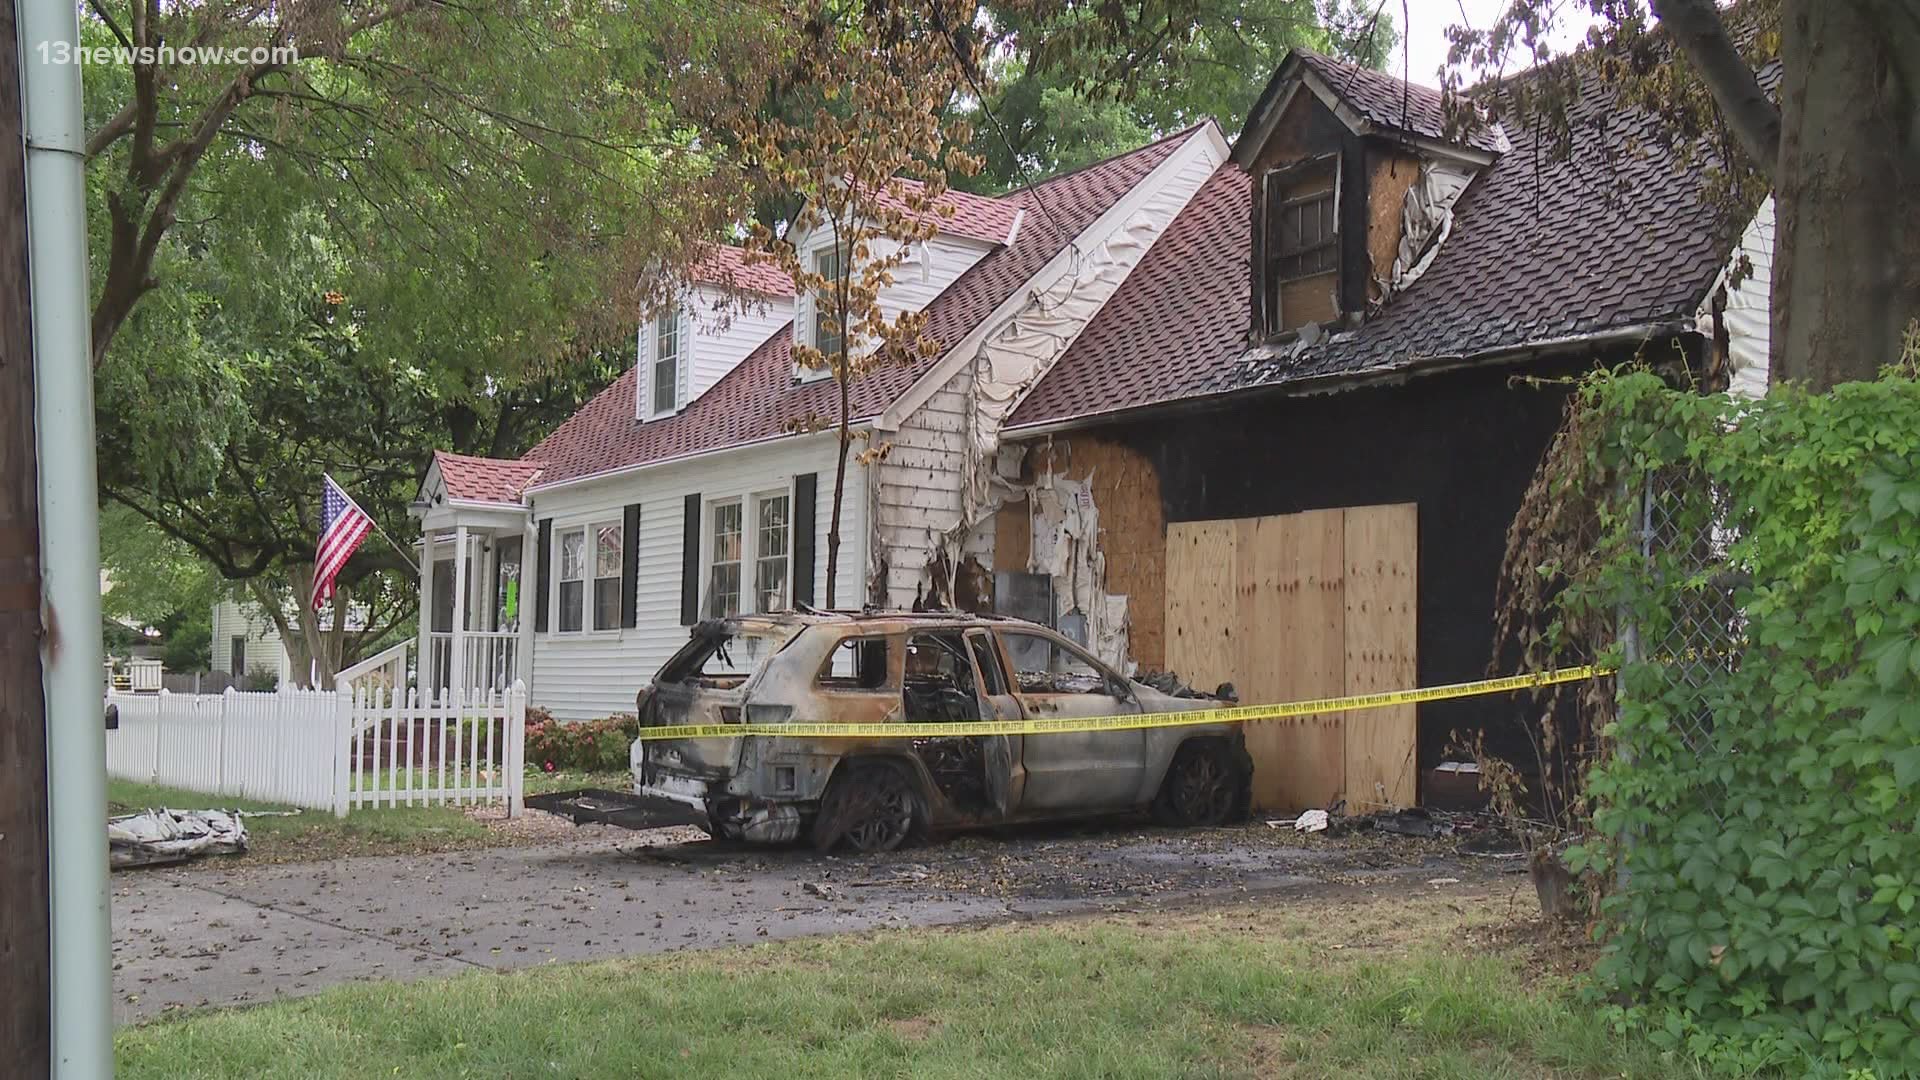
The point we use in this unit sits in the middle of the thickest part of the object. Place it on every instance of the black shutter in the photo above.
(630, 567)
(805, 494)
(543, 564)
(690, 562)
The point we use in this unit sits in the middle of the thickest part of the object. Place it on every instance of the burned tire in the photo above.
(870, 806)
(1204, 785)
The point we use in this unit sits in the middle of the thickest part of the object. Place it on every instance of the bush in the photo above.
(597, 745)
(1764, 814)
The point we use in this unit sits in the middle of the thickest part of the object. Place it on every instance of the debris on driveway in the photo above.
(158, 837)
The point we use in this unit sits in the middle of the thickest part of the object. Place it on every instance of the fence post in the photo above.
(342, 748)
(516, 749)
(220, 747)
(159, 721)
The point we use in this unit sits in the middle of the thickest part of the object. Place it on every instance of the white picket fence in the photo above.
(327, 749)
(403, 748)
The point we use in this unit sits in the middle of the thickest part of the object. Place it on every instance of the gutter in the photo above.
(69, 542)
(1415, 367)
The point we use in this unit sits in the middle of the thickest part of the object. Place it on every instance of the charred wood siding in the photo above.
(1462, 446)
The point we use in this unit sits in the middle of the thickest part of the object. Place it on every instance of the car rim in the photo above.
(1205, 791)
(887, 823)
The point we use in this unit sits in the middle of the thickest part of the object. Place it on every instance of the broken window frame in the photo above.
(1270, 252)
(828, 680)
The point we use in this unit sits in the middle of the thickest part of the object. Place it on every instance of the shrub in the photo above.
(1761, 813)
(599, 745)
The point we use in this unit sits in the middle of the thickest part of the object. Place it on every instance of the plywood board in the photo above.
(1293, 643)
(1201, 640)
(1382, 555)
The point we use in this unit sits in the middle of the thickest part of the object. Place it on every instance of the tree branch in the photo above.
(1701, 33)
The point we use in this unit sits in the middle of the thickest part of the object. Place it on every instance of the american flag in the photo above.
(342, 526)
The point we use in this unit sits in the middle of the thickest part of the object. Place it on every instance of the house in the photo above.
(1294, 439)
(684, 491)
(1258, 416)
(246, 644)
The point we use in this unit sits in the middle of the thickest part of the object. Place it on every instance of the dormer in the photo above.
(971, 227)
(1354, 179)
(728, 307)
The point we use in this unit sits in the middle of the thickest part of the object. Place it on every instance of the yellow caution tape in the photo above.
(1187, 718)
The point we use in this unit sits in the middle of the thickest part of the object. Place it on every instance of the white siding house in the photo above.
(245, 642)
(701, 483)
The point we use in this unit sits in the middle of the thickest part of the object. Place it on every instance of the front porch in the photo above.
(475, 545)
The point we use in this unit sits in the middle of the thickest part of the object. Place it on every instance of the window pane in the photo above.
(666, 334)
(770, 584)
(571, 596)
(573, 554)
(666, 385)
(773, 526)
(606, 552)
(827, 333)
(606, 603)
(726, 533)
(723, 591)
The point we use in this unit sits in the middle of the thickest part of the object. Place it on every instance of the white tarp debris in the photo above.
(1426, 219)
(168, 836)
(1749, 312)
(1311, 821)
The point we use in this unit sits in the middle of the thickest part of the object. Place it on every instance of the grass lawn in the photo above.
(317, 834)
(314, 834)
(1427, 987)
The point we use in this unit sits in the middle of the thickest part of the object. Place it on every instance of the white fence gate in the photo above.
(402, 748)
(326, 749)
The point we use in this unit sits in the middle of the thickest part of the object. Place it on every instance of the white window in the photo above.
(724, 555)
(749, 554)
(664, 363)
(827, 331)
(589, 575)
(772, 549)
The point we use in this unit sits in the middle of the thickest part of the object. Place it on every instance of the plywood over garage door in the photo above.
(1309, 605)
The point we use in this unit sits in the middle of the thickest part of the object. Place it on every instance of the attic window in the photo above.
(1300, 244)
(1304, 237)
(666, 361)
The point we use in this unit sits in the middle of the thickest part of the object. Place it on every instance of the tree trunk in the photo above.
(26, 1029)
(839, 484)
(1846, 267)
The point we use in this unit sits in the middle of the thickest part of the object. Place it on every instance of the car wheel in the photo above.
(1202, 786)
(871, 806)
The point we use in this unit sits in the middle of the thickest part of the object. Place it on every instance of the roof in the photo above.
(728, 267)
(1540, 250)
(977, 217)
(1393, 104)
(478, 479)
(759, 399)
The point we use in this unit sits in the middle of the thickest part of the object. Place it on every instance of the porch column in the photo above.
(529, 566)
(423, 660)
(460, 604)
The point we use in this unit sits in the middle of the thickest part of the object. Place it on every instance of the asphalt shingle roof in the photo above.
(1541, 249)
(727, 266)
(760, 400)
(1390, 103)
(478, 479)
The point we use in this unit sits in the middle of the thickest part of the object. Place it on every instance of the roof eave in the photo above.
(1414, 367)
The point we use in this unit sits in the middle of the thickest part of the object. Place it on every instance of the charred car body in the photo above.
(909, 668)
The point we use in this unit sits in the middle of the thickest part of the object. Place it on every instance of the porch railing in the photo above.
(490, 659)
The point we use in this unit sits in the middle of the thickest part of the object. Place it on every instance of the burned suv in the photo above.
(873, 794)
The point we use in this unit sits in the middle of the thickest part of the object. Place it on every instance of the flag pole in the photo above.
(402, 552)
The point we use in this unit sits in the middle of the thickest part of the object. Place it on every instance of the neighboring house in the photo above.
(245, 642)
(1295, 438)
(1260, 417)
(647, 518)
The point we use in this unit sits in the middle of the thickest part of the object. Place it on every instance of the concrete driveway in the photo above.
(232, 934)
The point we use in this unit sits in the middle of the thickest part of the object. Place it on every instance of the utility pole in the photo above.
(26, 1024)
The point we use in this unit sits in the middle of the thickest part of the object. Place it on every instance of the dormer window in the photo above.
(827, 334)
(1300, 264)
(667, 354)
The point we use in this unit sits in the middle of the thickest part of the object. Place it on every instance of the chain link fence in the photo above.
(1695, 634)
